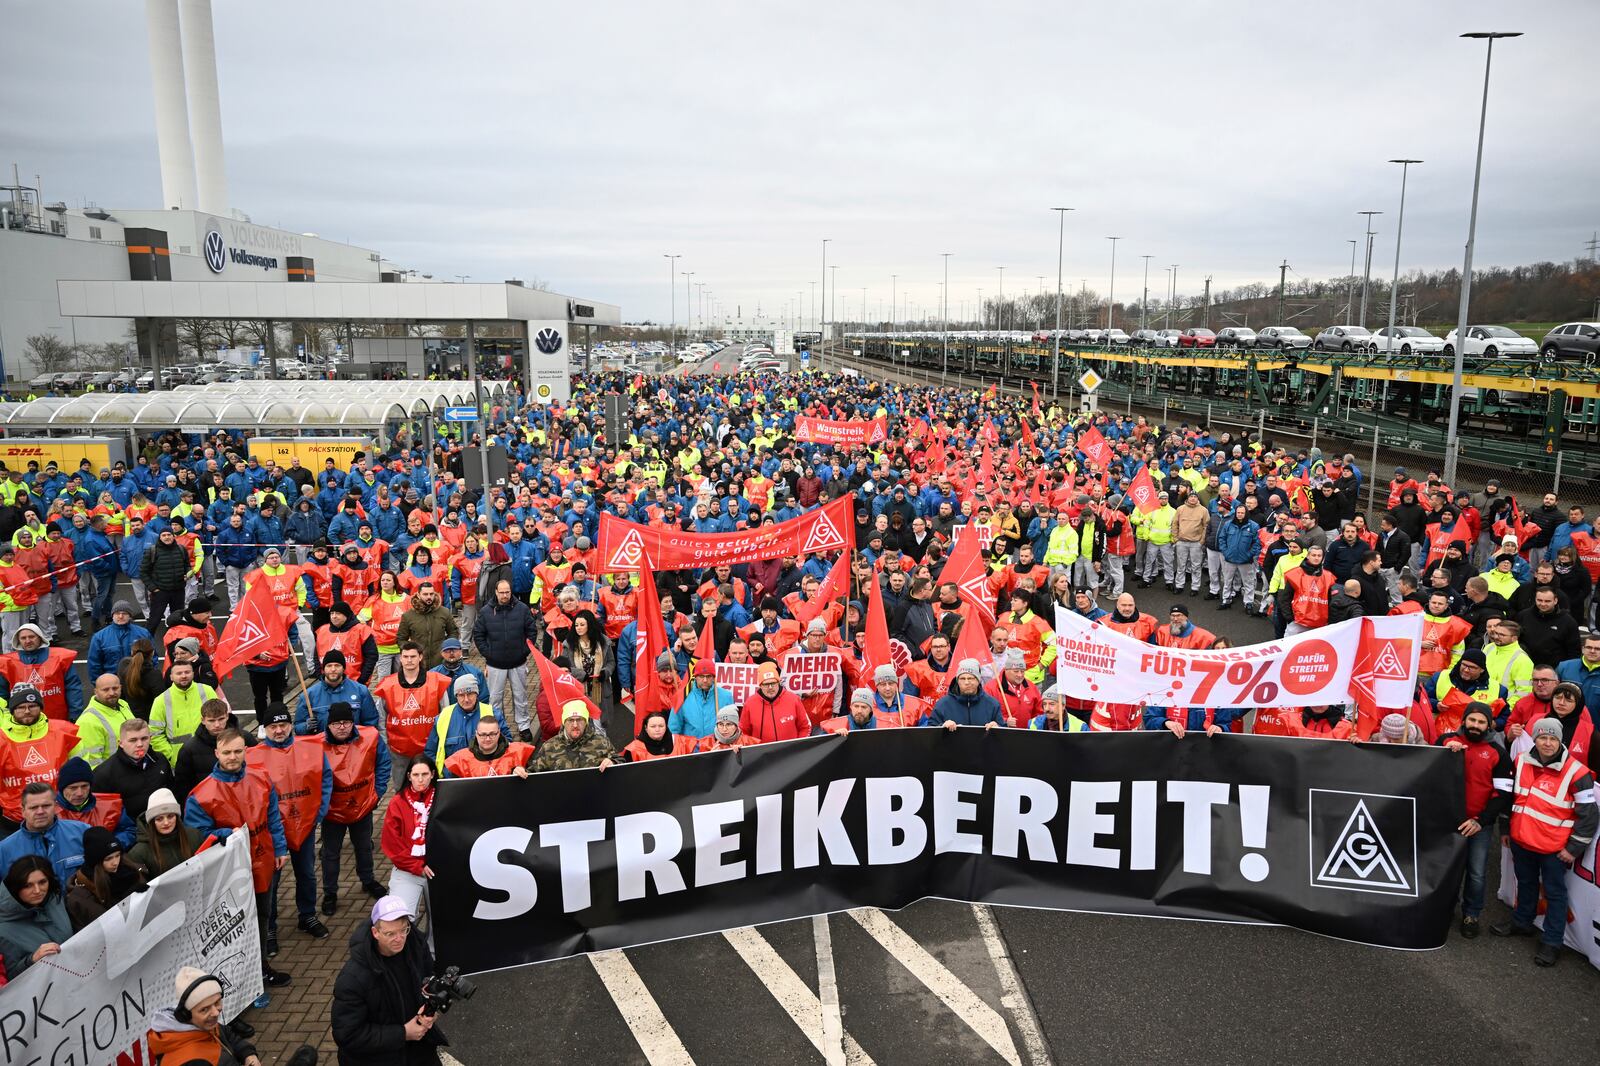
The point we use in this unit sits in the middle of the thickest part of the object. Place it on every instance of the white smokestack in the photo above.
(172, 113)
(205, 111)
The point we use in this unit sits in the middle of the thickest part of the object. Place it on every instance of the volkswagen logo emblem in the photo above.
(215, 252)
(548, 341)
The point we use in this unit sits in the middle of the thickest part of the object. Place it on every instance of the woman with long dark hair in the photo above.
(586, 647)
(105, 879)
(33, 918)
(163, 841)
(141, 680)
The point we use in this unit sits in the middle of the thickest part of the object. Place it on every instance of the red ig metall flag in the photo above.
(256, 626)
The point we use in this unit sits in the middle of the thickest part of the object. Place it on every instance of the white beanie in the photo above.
(195, 986)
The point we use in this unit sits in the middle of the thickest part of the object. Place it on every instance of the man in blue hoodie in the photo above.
(697, 716)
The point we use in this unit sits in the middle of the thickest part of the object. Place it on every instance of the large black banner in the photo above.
(1351, 840)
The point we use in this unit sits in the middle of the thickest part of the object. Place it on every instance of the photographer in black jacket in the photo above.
(377, 998)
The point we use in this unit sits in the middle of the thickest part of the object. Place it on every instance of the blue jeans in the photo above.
(304, 861)
(105, 594)
(1532, 867)
(1472, 887)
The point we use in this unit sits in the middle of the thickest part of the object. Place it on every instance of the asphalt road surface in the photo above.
(943, 982)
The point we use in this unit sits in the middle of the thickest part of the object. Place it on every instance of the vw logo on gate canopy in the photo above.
(214, 250)
(548, 341)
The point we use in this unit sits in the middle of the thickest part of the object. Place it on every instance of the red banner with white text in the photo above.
(848, 433)
(627, 546)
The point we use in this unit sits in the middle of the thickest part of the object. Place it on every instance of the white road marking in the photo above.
(1011, 994)
(962, 1001)
(798, 1001)
(828, 992)
(655, 1035)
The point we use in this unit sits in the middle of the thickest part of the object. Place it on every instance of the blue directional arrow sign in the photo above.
(460, 414)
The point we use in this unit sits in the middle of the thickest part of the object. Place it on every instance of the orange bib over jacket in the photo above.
(1310, 591)
(411, 712)
(49, 677)
(355, 781)
(385, 622)
(296, 772)
(24, 761)
(465, 764)
(348, 641)
(681, 745)
(105, 812)
(1543, 806)
(243, 804)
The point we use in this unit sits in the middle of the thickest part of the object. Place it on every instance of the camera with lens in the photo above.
(443, 989)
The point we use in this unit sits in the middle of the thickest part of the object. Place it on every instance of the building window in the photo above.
(185, 249)
(94, 233)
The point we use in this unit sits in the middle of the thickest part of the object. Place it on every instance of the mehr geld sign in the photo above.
(242, 244)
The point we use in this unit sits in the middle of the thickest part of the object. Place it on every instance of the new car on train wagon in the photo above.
(1236, 337)
(1282, 337)
(1491, 341)
(1405, 340)
(1342, 339)
(1196, 337)
(1572, 340)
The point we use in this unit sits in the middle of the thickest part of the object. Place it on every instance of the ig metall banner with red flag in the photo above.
(1356, 841)
(1366, 661)
(846, 432)
(629, 546)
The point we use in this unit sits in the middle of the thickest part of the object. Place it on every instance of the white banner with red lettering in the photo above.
(1325, 666)
(806, 673)
(832, 431)
(1583, 903)
(738, 679)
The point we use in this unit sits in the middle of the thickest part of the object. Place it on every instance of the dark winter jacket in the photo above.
(165, 567)
(978, 709)
(23, 930)
(133, 781)
(374, 997)
(502, 632)
(197, 756)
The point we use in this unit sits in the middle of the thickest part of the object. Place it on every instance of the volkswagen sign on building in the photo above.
(549, 341)
(214, 249)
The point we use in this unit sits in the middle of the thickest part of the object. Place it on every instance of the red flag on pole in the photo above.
(1143, 490)
(650, 643)
(973, 640)
(831, 589)
(1093, 445)
(986, 468)
(1027, 437)
(1036, 413)
(706, 647)
(991, 392)
(877, 653)
(256, 626)
(559, 686)
(965, 569)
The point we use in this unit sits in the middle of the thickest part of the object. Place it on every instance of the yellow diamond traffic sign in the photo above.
(1089, 380)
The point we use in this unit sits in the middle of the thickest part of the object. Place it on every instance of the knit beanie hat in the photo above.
(195, 986)
(97, 844)
(73, 772)
(1546, 727)
(1393, 727)
(862, 695)
(162, 801)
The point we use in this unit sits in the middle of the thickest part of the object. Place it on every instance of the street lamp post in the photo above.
(822, 324)
(833, 308)
(1394, 287)
(1144, 303)
(1055, 362)
(1366, 274)
(1452, 443)
(672, 286)
(945, 376)
(894, 282)
(688, 304)
(1000, 301)
(1111, 292)
(1350, 287)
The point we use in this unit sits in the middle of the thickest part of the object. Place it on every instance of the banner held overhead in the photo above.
(625, 545)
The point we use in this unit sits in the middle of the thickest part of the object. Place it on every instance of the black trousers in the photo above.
(164, 603)
(268, 686)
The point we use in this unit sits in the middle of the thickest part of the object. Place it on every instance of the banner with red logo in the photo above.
(628, 546)
(1095, 448)
(1366, 660)
(849, 432)
(1583, 902)
(1144, 492)
(257, 626)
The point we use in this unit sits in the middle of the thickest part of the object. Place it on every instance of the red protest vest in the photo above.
(62, 560)
(296, 772)
(321, 575)
(105, 812)
(281, 586)
(469, 567)
(243, 804)
(25, 761)
(349, 642)
(1139, 629)
(931, 684)
(206, 635)
(49, 677)
(1114, 717)
(411, 712)
(356, 587)
(620, 609)
(385, 622)
(1310, 605)
(1543, 809)
(1196, 639)
(465, 764)
(355, 784)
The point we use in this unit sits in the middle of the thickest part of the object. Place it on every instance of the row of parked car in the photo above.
(1568, 340)
(142, 379)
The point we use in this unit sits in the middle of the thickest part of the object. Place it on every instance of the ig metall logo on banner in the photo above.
(1363, 842)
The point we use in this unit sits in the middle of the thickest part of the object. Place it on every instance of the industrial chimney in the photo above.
(183, 63)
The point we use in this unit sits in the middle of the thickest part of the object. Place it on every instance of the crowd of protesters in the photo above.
(435, 631)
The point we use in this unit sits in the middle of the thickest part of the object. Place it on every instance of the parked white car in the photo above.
(1492, 341)
(1168, 338)
(1405, 340)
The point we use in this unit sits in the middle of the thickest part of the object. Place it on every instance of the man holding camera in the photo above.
(379, 1015)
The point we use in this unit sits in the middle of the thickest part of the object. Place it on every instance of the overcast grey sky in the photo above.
(578, 143)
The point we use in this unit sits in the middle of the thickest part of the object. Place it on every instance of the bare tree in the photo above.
(197, 335)
(51, 354)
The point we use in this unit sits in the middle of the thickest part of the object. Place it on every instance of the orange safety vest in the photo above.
(1028, 634)
(23, 762)
(385, 622)
(1310, 605)
(469, 567)
(105, 812)
(281, 586)
(1196, 639)
(356, 587)
(1543, 807)
(711, 743)
(348, 641)
(321, 575)
(1139, 629)
(1114, 717)
(621, 608)
(243, 804)
(355, 783)
(296, 772)
(1272, 721)
(411, 712)
(437, 577)
(1446, 633)
(465, 764)
(18, 584)
(1295, 724)
(49, 677)
(931, 684)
